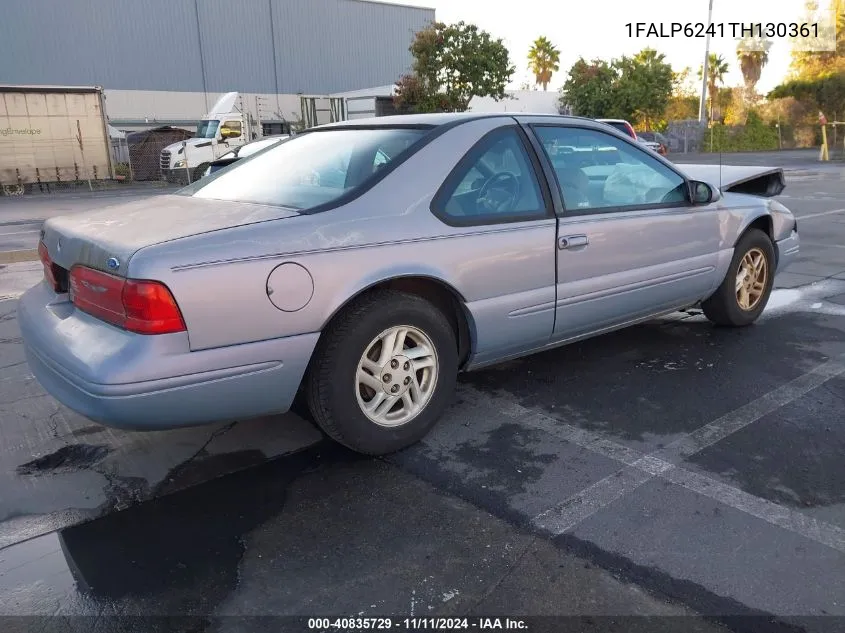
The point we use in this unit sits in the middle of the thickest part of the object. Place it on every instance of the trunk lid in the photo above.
(756, 181)
(107, 238)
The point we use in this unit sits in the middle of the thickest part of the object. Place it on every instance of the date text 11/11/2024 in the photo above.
(723, 29)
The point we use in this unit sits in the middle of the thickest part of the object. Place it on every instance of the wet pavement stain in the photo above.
(160, 552)
(508, 459)
(647, 384)
(203, 467)
(67, 458)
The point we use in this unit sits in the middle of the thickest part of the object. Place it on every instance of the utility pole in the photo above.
(702, 112)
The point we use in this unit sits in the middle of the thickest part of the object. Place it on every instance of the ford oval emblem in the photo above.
(113, 263)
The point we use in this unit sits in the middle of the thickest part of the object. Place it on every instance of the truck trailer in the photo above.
(51, 134)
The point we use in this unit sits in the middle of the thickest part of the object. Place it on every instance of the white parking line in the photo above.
(641, 468)
(565, 516)
(810, 216)
(738, 419)
(831, 535)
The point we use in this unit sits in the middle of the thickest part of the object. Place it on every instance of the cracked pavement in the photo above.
(672, 469)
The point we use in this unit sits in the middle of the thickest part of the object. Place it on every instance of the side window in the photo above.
(494, 182)
(380, 160)
(234, 128)
(596, 171)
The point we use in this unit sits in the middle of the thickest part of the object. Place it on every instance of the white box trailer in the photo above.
(53, 134)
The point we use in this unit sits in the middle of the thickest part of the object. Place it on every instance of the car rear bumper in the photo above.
(787, 250)
(139, 382)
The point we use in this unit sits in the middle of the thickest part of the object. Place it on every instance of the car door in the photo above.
(629, 243)
(498, 201)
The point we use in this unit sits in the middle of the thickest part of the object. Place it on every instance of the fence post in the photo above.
(187, 169)
(129, 161)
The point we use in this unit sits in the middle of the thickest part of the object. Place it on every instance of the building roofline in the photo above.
(396, 4)
(48, 88)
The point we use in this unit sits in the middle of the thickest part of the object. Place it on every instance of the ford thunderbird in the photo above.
(360, 266)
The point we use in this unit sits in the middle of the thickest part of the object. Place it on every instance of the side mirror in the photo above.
(702, 193)
(227, 132)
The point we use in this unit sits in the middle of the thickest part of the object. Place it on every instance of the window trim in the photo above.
(564, 213)
(468, 160)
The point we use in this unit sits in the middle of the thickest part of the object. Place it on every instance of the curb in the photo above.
(13, 257)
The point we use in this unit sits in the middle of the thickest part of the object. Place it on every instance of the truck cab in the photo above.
(218, 132)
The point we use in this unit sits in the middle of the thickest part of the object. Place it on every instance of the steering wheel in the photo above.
(499, 193)
(654, 195)
(660, 195)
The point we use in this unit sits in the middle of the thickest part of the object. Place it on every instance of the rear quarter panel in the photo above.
(220, 279)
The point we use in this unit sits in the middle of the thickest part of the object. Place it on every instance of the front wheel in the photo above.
(383, 373)
(198, 172)
(745, 291)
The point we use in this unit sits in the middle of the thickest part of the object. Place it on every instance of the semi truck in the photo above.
(51, 134)
(222, 129)
(226, 127)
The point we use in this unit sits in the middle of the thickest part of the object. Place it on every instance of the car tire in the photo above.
(198, 171)
(347, 408)
(736, 302)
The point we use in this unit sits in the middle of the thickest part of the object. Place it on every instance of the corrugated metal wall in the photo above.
(260, 46)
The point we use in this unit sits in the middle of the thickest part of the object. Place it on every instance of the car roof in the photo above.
(441, 118)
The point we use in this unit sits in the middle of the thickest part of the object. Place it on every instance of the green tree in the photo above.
(589, 89)
(752, 54)
(452, 64)
(717, 68)
(643, 86)
(543, 61)
(634, 88)
(826, 94)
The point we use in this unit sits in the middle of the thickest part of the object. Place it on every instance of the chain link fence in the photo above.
(689, 136)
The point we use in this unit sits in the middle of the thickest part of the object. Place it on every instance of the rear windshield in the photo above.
(308, 170)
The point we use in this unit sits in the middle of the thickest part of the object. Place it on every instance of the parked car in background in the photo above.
(361, 265)
(621, 125)
(243, 151)
(655, 141)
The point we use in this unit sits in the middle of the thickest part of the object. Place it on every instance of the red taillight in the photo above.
(141, 306)
(49, 269)
(150, 308)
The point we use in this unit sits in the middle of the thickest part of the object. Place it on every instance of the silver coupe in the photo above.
(360, 266)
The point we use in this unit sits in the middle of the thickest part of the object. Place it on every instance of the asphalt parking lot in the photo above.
(670, 469)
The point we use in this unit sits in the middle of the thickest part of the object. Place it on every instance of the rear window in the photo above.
(310, 169)
(619, 126)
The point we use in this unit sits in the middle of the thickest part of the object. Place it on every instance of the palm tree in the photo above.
(543, 60)
(717, 68)
(753, 55)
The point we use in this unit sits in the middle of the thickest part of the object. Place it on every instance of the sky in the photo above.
(597, 29)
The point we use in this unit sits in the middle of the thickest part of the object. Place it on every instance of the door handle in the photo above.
(572, 241)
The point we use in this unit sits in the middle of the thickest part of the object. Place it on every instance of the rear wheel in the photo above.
(745, 291)
(383, 372)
